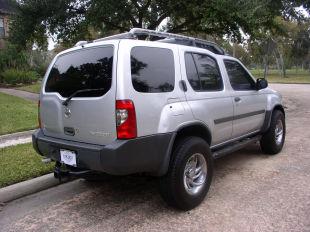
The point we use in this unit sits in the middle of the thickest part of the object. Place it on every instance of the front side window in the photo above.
(152, 69)
(202, 72)
(89, 68)
(239, 78)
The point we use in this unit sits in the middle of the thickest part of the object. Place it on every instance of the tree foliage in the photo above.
(300, 52)
(69, 20)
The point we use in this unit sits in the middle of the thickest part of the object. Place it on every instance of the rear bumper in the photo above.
(148, 154)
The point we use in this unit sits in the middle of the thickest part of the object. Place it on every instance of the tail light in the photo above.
(126, 124)
(39, 118)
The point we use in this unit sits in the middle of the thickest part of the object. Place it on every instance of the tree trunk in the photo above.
(282, 65)
(234, 49)
(279, 60)
(278, 64)
(266, 61)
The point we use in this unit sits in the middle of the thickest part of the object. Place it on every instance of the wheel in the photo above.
(272, 141)
(189, 176)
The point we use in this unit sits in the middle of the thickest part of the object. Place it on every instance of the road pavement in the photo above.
(250, 192)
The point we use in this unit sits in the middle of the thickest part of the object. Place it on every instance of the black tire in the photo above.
(268, 142)
(172, 185)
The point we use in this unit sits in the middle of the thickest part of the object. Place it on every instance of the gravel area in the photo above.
(250, 192)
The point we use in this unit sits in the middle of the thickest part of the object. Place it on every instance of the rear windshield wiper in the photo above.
(65, 103)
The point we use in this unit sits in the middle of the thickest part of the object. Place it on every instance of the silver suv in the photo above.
(156, 103)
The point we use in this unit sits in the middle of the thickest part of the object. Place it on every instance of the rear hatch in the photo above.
(90, 115)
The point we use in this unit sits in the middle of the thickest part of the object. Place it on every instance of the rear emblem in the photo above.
(67, 112)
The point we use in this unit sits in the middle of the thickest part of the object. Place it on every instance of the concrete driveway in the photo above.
(250, 192)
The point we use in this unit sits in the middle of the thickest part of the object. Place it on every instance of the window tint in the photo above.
(238, 76)
(202, 72)
(83, 69)
(152, 69)
(191, 72)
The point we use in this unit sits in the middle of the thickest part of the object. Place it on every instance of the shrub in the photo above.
(40, 61)
(15, 76)
(10, 57)
(41, 69)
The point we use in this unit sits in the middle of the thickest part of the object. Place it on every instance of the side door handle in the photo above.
(237, 99)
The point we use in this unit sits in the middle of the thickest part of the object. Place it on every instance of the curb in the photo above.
(17, 135)
(20, 93)
(28, 187)
(15, 138)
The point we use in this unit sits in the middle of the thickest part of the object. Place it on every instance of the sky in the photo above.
(51, 44)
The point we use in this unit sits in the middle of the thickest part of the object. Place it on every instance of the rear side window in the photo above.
(89, 68)
(152, 69)
(202, 72)
(191, 72)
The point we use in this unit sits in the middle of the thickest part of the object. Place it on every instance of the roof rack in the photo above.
(165, 37)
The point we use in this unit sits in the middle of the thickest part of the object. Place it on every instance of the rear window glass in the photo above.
(84, 69)
(152, 69)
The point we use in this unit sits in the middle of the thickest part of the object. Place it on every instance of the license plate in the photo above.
(68, 157)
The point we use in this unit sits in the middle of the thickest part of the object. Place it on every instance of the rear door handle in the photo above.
(237, 99)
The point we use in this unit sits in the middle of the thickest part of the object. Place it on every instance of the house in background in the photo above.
(6, 10)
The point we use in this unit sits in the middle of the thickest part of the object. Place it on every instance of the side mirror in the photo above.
(261, 83)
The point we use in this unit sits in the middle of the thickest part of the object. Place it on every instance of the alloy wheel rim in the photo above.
(279, 132)
(195, 173)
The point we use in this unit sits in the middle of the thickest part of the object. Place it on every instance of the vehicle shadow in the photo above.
(120, 203)
(239, 158)
(130, 191)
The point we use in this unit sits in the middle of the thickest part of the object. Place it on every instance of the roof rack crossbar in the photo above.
(195, 41)
(126, 35)
(136, 32)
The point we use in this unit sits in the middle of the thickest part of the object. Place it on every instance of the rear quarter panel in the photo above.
(155, 112)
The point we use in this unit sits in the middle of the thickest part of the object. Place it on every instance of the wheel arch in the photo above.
(190, 129)
(268, 116)
(279, 107)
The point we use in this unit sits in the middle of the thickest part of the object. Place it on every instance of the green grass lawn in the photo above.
(33, 88)
(19, 163)
(17, 114)
(293, 76)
